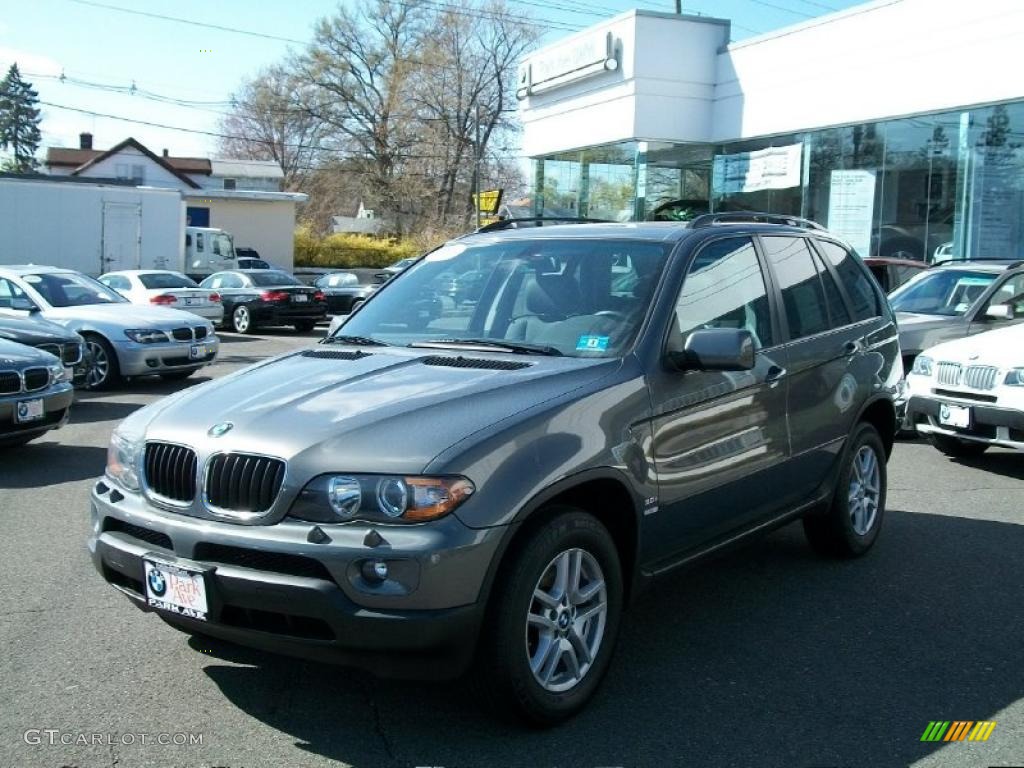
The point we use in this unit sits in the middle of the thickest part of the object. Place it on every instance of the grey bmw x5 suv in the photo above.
(496, 480)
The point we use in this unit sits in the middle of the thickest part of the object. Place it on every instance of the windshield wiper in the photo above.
(364, 341)
(515, 347)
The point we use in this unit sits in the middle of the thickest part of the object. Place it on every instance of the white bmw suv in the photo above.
(968, 394)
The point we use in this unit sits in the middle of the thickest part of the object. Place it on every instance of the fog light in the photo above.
(375, 570)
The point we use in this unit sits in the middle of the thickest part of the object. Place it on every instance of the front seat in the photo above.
(550, 299)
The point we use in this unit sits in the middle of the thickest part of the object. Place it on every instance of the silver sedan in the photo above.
(124, 340)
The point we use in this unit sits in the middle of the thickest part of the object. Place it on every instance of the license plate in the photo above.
(175, 589)
(189, 302)
(299, 298)
(28, 410)
(955, 416)
(197, 351)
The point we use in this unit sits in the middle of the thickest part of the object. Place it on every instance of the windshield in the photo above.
(223, 246)
(162, 280)
(584, 298)
(70, 289)
(949, 292)
(272, 277)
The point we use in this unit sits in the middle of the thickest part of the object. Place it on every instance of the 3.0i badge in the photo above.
(217, 430)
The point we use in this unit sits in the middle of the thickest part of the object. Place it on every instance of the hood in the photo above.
(918, 332)
(1003, 348)
(12, 353)
(121, 315)
(33, 331)
(389, 411)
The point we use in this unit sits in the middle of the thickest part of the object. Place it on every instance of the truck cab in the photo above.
(208, 250)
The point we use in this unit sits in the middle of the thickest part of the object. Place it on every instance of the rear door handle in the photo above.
(775, 374)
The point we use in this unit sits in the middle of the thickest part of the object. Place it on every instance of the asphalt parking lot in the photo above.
(767, 657)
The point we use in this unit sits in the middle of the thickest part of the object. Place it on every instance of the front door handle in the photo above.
(775, 374)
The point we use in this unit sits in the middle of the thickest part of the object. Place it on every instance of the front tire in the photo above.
(553, 621)
(104, 371)
(241, 320)
(956, 448)
(850, 526)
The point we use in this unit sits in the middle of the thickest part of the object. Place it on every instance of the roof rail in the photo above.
(751, 217)
(539, 221)
(1010, 263)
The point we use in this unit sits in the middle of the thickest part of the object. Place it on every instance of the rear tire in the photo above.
(305, 326)
(241, 320)
(104, 370)
(555, 609)
(956, 448)
(850, 526)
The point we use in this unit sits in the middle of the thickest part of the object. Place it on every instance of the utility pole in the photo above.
(476, 171)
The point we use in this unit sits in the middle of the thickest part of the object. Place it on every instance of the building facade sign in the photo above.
(568, 64)
(771, 168)
(851, 207)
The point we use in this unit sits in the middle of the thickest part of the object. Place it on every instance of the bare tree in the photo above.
(271, 120)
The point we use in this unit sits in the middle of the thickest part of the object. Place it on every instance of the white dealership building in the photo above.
(898, 123)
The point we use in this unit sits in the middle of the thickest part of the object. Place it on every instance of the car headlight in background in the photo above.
(122, 460)
(1015, 377)
(146, 335)
(922, 366)
(380, 498)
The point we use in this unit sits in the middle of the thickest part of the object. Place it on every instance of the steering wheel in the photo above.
(622, 316)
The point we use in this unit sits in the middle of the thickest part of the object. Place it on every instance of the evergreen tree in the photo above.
(19, 121)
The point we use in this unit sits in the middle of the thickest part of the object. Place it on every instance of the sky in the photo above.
(119, 63)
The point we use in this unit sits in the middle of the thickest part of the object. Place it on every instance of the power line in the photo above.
(778, 8)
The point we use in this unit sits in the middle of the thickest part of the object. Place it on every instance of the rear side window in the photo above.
(863, 296)
(837, 310)
(800, 282)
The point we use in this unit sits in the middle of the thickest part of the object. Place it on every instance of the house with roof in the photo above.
(243, 197)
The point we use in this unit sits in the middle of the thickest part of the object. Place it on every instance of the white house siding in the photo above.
(154, 174)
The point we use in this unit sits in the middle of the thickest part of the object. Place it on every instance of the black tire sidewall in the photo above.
(569, 529)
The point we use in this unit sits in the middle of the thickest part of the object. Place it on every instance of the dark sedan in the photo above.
(262, 297)
(892, 273)
(344, 292)
(60, 342)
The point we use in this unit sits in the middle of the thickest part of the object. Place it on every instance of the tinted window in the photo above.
(800, 281)
(837, 311)
(162, 280)
(863, 296)
(272, 277)
(725, 289)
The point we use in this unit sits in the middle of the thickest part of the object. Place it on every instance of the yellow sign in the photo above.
(489, 201)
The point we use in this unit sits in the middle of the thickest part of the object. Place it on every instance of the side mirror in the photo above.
(716, 349)
(24, 305)
(999, 312)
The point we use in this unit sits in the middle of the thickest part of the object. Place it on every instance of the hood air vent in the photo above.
(335, 354)
(472, 362)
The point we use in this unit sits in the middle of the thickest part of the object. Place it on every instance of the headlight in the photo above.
(146, 335)
(1015, 377)
(922, 366)
(380, 498)
(122, 459)
(58, 373)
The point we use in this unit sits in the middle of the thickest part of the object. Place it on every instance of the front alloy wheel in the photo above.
(104, 371)
(566, 619)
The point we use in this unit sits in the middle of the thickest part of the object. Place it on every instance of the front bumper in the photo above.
(140, 359)
(989, 424)
(270, 587)
(56, 409)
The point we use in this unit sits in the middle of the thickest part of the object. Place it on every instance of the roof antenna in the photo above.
(62, 77)
(132, 89)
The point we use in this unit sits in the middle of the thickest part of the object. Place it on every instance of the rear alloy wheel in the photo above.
(241, 319)
(849, 527)
(104, 371)
(957, 448)
(553, 619)
(305, 326)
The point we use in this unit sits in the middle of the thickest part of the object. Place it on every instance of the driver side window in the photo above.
(9, 292)
(725, 288)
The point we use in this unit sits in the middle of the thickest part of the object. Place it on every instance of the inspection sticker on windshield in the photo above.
(592, 343)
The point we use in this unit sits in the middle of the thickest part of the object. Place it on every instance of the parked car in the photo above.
(60, 342)
(247, 263)
(951, 301)
(263, 297)
(166, 289)
(394, 269)
(35, 393)
(413, 492)
(123, 340)
(968, 394)
(892, 273)
(343, 291)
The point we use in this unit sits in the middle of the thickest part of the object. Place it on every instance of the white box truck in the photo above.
(96, 228)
